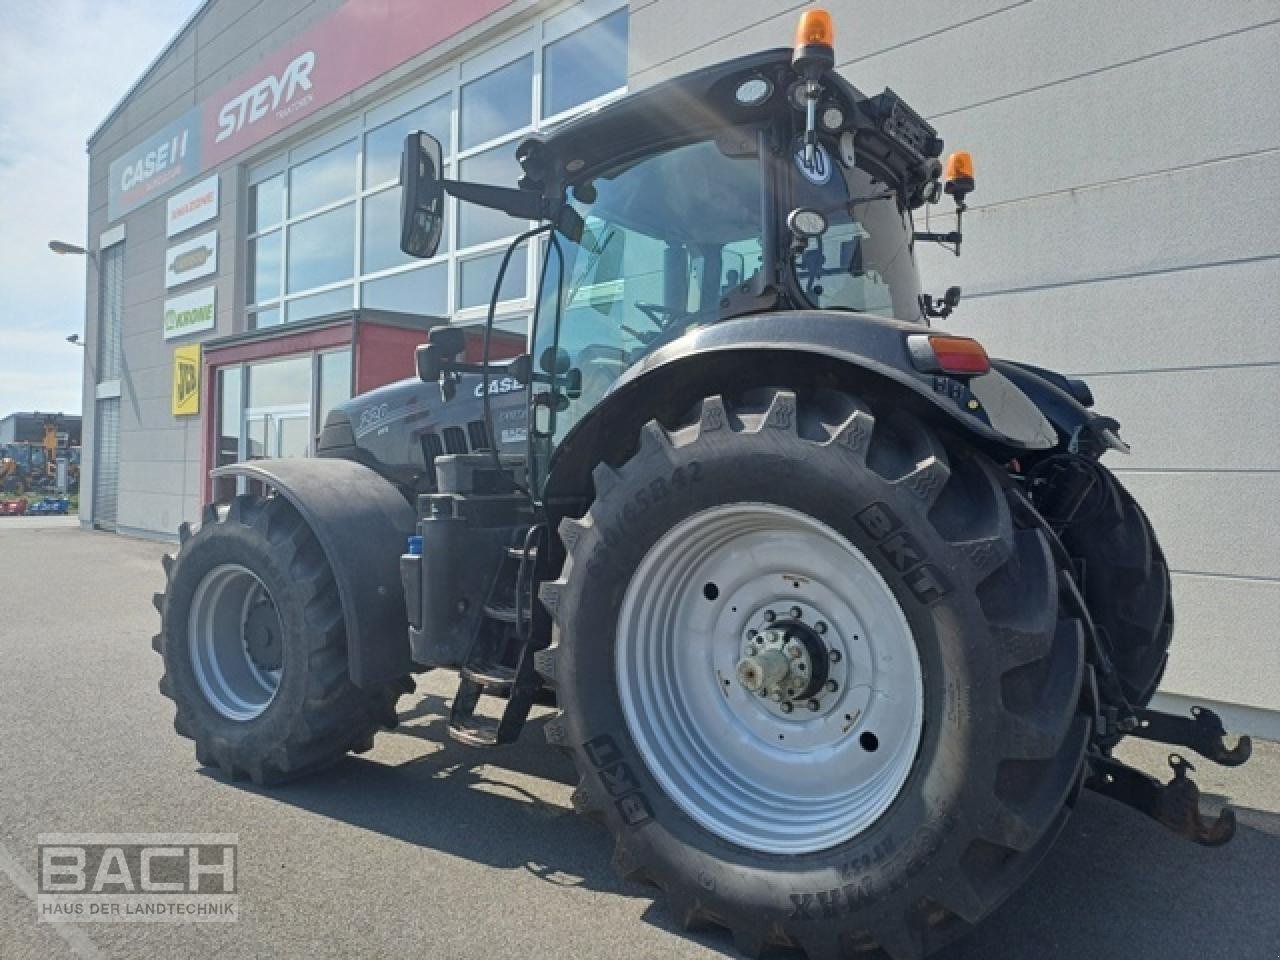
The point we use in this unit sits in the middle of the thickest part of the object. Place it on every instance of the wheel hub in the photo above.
(262, 635)
(787, 663)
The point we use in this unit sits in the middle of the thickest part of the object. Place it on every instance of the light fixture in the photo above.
(807, 223)
(832, 118)
(753, 91)
(62, 247)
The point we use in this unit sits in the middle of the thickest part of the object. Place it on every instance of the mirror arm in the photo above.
(521, 204)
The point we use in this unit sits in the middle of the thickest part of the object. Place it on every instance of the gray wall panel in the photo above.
(1192, 317)
(1213, 522)
(1224, 648)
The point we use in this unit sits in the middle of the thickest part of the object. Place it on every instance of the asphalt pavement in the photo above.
(423, 847)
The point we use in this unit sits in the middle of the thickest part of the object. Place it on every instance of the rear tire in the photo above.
(997, 760)
(1125, 584)
(287, 708)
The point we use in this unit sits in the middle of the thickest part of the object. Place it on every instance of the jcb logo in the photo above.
(903, 553)
(186, 380)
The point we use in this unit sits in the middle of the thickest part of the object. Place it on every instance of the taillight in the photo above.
(940, 353)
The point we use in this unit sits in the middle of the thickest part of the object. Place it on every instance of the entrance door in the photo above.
(277, 432)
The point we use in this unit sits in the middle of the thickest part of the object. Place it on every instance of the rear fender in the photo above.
(858, 353)
(1079, 429)
(362, 523)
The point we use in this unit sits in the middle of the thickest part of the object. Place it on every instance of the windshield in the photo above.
(666, 237)
(864, 261)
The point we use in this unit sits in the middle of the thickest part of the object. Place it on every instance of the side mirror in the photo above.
(422, 195)
(555, 361)
(443, 345)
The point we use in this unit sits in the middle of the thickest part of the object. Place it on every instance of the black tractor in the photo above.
(837, 614)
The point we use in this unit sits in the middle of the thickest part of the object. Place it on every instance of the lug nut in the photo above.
(800, 668)
(795, 613)
(794, 651)
(820, 627)
(832, 686)
(785, 707)
(835, 656)
(815, 706)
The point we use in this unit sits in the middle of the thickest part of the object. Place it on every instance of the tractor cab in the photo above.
(765, 184)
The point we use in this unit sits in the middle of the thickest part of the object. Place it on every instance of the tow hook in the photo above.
(1202, 732)
(1175, 804)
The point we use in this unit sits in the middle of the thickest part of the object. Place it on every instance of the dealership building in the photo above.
(244, 273)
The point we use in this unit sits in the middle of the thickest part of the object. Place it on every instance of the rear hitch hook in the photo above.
(1202, 732)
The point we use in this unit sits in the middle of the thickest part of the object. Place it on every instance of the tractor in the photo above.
(836, 613)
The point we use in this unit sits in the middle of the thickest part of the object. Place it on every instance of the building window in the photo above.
(585, 65)
(324, 217)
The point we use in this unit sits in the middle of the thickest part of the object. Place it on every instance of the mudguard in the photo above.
(1079, 429)
(362, 522)
(864, 353)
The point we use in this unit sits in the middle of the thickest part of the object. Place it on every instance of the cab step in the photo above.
(493, 677)
(475, 732)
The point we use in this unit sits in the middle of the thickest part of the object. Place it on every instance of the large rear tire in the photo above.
(888, 536)
(1126, 584)
(255, 651)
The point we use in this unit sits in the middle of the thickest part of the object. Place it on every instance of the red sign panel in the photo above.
(358, 42)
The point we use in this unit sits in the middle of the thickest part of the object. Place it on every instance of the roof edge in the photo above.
(133, 88)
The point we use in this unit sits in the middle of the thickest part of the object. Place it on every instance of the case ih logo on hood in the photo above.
(270, 94)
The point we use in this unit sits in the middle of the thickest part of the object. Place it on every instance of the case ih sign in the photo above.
(358, 42)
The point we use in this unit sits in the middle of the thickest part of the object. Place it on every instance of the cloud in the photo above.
(63, 65)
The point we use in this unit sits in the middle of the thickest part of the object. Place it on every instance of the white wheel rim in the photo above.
(733, 761)
(231, 681)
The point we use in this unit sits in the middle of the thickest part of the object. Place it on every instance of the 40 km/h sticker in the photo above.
(817, 171)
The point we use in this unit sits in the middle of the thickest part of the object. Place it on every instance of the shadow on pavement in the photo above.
(1116, 885)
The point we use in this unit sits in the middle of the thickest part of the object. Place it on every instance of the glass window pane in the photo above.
(266, 203)
(382, 232)
(585, 64)
(317, 305)
(323, 179)
(264, 267)
(478, 224)
(476, 278)
(295, 436)
(335, 381)
(383, 145)
(228, 433)
(424, 292)
(264, 318)
(322, 249)
(496, 103)
(280, 383)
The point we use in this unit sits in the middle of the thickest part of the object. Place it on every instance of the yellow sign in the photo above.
(186, 380)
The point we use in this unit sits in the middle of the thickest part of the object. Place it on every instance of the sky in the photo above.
(63, 65)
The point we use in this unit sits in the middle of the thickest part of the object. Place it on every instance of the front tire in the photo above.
(254, 648)
(773, 842)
